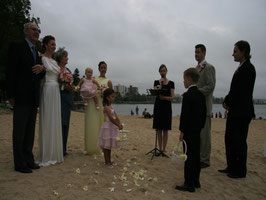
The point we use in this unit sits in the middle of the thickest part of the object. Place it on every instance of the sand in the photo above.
(86, 177)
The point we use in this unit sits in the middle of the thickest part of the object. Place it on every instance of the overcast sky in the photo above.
(134, 37)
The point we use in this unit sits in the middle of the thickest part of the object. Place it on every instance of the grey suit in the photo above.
(206, 85)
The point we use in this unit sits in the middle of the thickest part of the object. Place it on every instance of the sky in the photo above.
(134, 37)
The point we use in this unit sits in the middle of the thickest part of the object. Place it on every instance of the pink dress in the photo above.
(108, 133)
(88, 90)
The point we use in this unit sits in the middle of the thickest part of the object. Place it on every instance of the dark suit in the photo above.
(24, 87)
(241, 111)
(192, 120)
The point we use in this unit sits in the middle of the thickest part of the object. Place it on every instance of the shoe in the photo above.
(34, 166)
(204, 165)
(185, 188)
(225, 171)
(24, 170)
(233, 175)
(65, 154)
(197, 185)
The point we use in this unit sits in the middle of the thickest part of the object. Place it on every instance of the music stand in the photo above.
(154, 92)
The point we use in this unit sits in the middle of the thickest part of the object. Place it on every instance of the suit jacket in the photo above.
(206, 84)
(22, 84)
(193, 111)
(240, 96)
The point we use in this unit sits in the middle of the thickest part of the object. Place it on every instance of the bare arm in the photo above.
(96, 82)
(116, 121)
(167, 97)
(110, 84)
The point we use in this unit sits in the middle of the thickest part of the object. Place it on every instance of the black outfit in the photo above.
(162, 110)
(241, 111)
(66, 106)
(192, 120)
(24, 87)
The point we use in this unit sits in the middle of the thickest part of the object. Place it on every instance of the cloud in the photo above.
(135, 37)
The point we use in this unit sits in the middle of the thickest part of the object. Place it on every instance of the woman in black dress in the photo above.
(162, 110)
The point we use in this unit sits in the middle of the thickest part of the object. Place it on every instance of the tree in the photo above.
(76, 80)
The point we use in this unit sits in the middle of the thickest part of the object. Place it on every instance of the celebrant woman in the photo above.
(162, 112)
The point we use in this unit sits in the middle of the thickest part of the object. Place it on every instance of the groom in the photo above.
(23, 87)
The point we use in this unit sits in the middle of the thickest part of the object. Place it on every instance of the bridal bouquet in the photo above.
(65, 77)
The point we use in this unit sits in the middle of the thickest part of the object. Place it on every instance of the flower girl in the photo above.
(110, 128)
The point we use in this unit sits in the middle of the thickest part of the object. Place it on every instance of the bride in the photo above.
(50, 148)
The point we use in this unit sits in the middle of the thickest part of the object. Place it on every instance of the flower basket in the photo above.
(121, 139)
(179, 153)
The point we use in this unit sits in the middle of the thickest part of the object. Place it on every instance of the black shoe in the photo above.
(197, 185)
(204, 165)
(233, 175)
(34, 166)
(185, 188)
(225, 171)
(24, 170)
(66, 154)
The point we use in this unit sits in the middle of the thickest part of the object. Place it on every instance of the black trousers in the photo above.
(24, 119)
(236, 144)
(192, 164)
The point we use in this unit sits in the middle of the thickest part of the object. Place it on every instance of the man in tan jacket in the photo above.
(206, 85)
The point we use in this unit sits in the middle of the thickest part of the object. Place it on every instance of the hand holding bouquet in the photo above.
(65, 78)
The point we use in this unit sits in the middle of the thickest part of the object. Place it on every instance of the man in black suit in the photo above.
(192, 120)
(24, 73)
(239, 103)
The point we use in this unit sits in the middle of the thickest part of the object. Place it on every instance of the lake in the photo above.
(124, 109)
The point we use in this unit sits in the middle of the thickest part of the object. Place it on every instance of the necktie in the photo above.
(34, 53)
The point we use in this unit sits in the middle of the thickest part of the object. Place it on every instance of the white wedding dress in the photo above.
(50, 130)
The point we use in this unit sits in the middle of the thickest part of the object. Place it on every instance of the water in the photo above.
(124, 109)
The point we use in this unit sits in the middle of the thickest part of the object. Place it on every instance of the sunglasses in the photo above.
(36, 29)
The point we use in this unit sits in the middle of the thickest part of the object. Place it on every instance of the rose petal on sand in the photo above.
(69, 185)
(150, 178)
(125, 184)
(96, 181)
(113, 183)
(129, 190)
(55, 193)
(96, 172)
(115, 177)
(162, 191)
(85, 188)
(155, 179)
(125, 169)
(78, 171)
(112, 189)
(84, 165)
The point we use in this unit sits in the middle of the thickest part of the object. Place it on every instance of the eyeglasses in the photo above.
(36, 29)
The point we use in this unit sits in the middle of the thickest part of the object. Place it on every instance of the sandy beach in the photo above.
(136, 176)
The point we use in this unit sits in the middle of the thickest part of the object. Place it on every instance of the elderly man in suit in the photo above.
(206, 85)
(239, 103)
(23, 87)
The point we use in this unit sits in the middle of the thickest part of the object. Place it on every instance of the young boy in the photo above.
(192, 120)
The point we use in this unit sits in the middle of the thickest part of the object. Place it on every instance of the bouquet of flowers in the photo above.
(65, 77)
